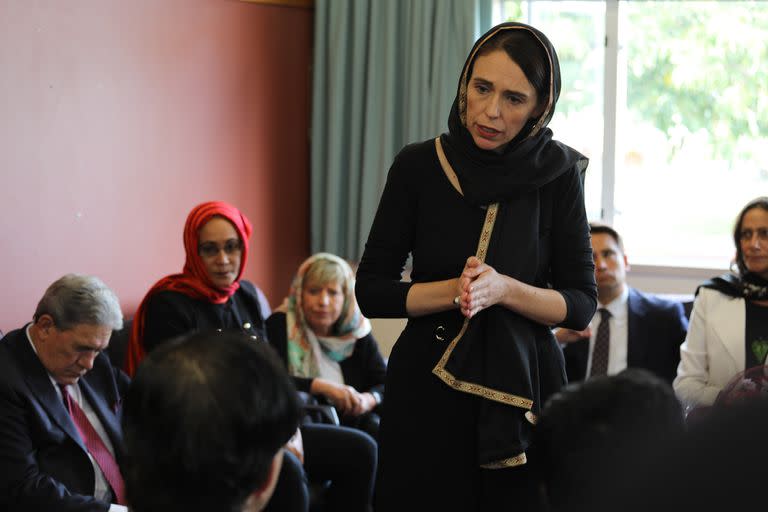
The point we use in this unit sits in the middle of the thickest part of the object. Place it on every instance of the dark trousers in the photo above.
(346, 457)
(428, 442)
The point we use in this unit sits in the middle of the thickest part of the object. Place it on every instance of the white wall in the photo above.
(670, 280)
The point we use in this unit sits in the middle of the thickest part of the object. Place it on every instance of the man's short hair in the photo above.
(600, 228)
(76, 299)
(587, 432)
(203, 420)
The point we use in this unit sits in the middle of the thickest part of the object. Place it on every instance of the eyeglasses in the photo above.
(747, 234)
(211, 249)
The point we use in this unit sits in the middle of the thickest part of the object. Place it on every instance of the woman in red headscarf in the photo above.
(209, 294)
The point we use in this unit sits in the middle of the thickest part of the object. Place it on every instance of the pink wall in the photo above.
(116, 118)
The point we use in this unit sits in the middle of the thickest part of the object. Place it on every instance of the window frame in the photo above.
(672, 279)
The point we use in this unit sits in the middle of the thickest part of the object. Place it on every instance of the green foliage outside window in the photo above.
(693, 69)
(701, 67)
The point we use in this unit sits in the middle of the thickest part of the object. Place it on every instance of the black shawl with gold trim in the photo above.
(499, 355)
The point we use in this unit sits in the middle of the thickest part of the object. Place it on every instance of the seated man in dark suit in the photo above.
(205, 422)
(630, 329)
(60, 434)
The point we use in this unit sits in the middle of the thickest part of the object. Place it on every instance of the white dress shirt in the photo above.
(617, 350)
(102, 490)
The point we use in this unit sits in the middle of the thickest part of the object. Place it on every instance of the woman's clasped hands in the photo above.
(480, 287)
(345, 398)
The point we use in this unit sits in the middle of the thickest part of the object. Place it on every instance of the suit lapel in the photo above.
(729, 322)
(637, 335)
(42, 388)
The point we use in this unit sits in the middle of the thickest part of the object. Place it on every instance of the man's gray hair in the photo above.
(78, 299)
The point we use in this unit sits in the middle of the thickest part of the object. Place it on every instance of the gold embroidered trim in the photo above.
(477, 389)
(447, 169)
(439, 369)
(517, 460)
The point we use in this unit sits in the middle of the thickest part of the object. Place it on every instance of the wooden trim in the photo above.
(304, 4)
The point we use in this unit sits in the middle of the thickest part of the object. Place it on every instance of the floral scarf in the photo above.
(310, 355)
(748, 286)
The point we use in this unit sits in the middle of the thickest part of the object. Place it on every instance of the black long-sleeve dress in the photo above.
(170, 314)
(428, 436)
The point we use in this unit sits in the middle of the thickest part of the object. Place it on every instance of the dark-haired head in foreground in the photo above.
(590, 433)
(204, 424)
(718, 466)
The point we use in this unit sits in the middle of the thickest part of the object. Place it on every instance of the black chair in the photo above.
(315, 412)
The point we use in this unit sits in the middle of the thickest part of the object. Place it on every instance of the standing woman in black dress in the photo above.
(492, 213)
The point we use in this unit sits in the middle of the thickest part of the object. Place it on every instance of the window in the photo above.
(668, 100)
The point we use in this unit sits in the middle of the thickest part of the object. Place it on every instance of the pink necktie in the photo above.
(95, 446)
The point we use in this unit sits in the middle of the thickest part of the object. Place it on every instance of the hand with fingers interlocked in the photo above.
(348, 400)
(480, 287)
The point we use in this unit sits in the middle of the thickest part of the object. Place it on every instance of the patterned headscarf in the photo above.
(193, 280)
(309, 353)
(531, 160)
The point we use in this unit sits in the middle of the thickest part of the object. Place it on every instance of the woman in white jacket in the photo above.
(728, 331)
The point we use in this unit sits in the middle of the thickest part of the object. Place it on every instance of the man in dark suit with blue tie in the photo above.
(631, 329)
(60, 397)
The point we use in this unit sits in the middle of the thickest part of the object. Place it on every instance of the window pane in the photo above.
(692, 126)
(577, 29)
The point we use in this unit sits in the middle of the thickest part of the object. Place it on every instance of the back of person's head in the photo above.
(76, 299)
(717, 466)
(204, 423)
(590, 429)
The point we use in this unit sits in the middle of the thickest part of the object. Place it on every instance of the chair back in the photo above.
(118, 344)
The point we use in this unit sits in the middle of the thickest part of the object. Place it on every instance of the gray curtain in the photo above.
(385, 74)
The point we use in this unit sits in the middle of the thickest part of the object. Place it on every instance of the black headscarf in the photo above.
(529, 161)
(511, 361)
(748, 286)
